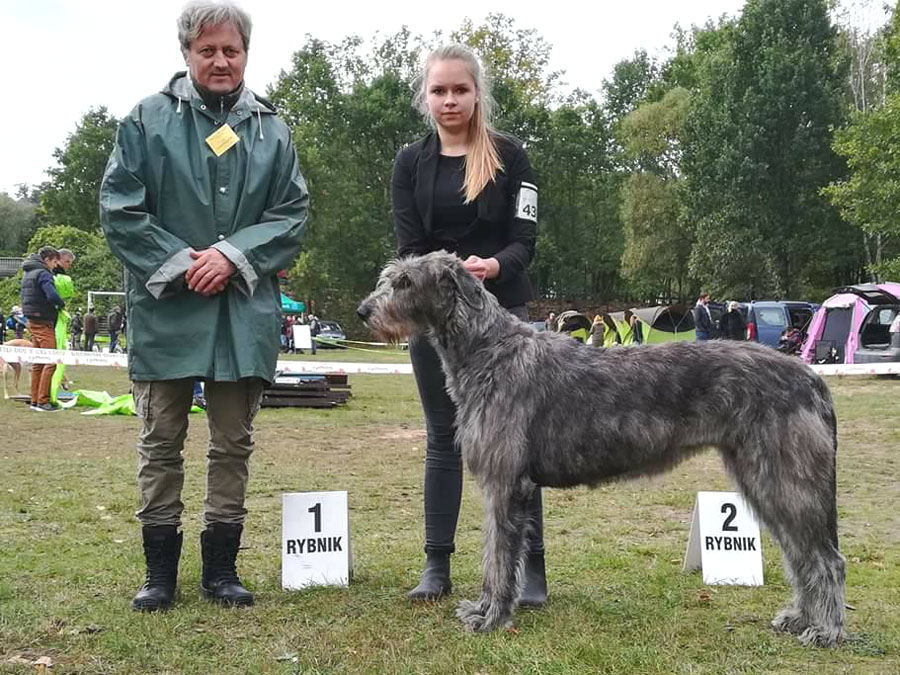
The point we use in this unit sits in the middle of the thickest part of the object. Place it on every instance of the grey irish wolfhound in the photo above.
(538, 409)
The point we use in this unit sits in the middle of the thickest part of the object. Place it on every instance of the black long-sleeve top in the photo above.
(505, 222)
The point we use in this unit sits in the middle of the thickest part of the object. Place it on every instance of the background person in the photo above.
(114, 326)
(470, 190)
(41, 304)
(77, 327)
(733, 325)
(202, 257)
(90, 329)
(314, 329)
(636, 331)
(550, 322)
(703, 323)
(64, 262)
(598, 331)
(19, 322)
(66, 290)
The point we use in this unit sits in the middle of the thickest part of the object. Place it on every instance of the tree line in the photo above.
(755, 160)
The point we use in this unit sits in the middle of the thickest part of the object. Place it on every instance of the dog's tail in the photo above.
(830, 418)
(833, 524)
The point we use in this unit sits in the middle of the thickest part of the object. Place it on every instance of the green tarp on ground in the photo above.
(101, 403)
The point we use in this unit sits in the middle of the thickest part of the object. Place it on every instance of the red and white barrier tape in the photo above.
(76, 358)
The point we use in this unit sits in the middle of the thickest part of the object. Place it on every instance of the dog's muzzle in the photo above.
(364, 311)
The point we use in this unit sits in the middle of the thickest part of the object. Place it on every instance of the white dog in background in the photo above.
(15, 367)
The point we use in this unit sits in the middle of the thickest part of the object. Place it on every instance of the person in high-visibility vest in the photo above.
(66, 289)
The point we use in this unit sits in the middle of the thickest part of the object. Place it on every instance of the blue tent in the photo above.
(291, 306)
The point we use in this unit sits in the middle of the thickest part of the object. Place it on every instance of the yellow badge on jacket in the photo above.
(222, 140)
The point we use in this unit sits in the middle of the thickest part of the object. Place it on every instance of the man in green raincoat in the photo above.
(203, 202)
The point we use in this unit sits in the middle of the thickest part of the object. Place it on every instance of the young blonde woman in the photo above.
(468, 189)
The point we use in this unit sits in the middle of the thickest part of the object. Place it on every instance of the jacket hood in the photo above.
(181, 87)
(34, 262)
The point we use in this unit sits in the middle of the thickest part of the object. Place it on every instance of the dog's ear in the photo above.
(467, 287)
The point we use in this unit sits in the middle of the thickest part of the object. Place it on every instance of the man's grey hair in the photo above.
(198, 15)
(66, 253)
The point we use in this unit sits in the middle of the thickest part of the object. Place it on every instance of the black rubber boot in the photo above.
(435, 582)
(219, 544)
(534, 582)
(162, 549)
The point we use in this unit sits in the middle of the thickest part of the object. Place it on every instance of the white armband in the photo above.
(527, 202)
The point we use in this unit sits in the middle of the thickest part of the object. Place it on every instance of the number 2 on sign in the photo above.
(726, 526)
(317, 512)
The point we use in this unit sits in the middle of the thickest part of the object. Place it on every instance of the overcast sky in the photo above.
(64, 56)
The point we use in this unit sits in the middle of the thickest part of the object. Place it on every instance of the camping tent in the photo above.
(575, 324)
(621, 322)
(665, 323)
(833, 335)
(291, 306)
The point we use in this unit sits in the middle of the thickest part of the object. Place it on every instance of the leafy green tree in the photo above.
(657, 242)
(580, 234)
(892, 52)
(517, 61)
(16, 224)
(350, 115)
(868, 198)
(631, 82)
(72, 194)
(757, 153)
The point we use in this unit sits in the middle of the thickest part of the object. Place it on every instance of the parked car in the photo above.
(768, 319)
(877, 344)
(330, 331)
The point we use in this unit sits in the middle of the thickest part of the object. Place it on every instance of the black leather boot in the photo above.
(219, 544)
(435, 581)
(534, 582)
(162, 549)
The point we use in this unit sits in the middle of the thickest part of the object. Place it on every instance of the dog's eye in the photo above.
(403, 281)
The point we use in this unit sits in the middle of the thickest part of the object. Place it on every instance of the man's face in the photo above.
(65, 262)
(217, 58)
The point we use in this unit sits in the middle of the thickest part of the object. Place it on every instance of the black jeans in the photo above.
(443, 461)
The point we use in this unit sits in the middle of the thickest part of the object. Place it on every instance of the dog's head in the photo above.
(416, 294)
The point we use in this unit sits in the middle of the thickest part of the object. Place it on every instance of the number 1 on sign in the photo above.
(317, 512)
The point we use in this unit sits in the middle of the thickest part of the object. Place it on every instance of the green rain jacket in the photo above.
(164, 192)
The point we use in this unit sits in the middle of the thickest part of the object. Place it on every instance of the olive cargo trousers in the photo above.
(163, 407)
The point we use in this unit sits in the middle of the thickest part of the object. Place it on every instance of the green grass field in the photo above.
(70, 556)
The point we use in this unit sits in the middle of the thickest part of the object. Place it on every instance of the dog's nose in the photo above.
(364, 311)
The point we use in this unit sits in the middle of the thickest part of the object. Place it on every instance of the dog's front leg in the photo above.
(506, 522)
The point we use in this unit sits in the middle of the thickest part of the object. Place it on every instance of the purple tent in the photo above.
(833, 335)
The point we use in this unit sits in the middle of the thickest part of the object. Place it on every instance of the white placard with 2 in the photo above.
(315, 540)
(725, 541)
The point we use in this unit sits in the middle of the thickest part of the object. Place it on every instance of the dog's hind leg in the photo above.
(791, 487)
(506, 527)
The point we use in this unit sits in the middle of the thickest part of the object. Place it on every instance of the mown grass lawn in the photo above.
(70, 556)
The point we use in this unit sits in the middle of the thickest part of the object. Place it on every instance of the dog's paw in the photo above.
(471, 608)
(817, 636)
(790, 620)
(482, 616)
